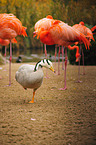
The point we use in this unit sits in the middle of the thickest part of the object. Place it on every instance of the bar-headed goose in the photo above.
(31, 76)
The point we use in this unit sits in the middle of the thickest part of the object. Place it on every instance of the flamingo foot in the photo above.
(8, 85)
(78, 81)
(4, 70)
(83, 73)
(65, 88)
(46, 77)
(56, 73)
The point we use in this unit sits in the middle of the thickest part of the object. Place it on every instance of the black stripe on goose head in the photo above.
(37, 65)
(47, 62)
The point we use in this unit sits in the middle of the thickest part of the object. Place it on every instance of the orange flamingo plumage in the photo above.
(10, 27)
(77, 51)
(4, 42)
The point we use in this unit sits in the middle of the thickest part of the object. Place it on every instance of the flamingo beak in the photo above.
(77, 59)
(34, 34)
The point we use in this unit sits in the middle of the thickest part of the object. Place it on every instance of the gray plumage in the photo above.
(31, 76)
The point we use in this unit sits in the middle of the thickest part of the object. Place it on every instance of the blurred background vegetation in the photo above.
(68, 11)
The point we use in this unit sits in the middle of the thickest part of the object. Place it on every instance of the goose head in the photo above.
(44, 63)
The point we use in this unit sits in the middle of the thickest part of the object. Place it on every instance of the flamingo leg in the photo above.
(79, 66)
(62, 57)
(55, 56)
(83, 62)
(32, 101)
(46, 58)
(45, 51)
(10, 59)
(5, 58)
(59, 61)
(65, 70)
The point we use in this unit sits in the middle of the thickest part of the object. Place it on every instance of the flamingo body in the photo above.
(62, 34)
(84, 30)
(4, 42)
(10, 26)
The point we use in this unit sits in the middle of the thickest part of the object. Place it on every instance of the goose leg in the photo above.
(32, 101)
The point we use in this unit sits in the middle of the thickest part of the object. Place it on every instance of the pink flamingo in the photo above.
(43, 24)
(88, 34)
(10, 27)
(46, 24)
(64, 35)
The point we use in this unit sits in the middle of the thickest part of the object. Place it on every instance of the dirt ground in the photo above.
(57, 117)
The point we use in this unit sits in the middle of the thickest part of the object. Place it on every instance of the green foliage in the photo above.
(71, 56)
(90, 55)
(1, 59)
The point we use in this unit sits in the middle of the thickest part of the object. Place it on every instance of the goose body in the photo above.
(28, 78)
(31, 76)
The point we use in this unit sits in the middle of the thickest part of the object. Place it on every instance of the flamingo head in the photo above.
(78, 57)
(81, 23)
(37, 32)
(49, 17)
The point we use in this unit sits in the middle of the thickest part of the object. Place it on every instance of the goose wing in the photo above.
(28, 78)
(27, 67)
(22, 71)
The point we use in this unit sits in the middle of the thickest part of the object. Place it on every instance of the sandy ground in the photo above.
(57, 117)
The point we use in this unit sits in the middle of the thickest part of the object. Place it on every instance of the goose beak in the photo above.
(51, 68)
